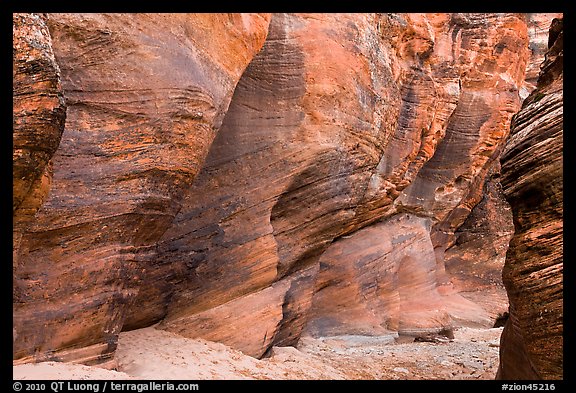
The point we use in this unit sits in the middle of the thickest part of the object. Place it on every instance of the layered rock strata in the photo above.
(251, 179)
(532, 180)
(39, 113)
(338, 123)
(145, 97)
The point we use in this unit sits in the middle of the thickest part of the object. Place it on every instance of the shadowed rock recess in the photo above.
(260, 179)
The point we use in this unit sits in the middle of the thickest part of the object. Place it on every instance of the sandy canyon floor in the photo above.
(155, 354)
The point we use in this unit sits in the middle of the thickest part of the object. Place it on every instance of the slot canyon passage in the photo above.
(287, 196)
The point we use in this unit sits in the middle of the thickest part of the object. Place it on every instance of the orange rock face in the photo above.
(146, 95)
(532, 179)
(341, 121)
(468, 68)
(39, 113)
(251, 179)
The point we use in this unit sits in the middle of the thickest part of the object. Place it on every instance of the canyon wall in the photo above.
(145, 96)
(353, 147)
(538, 28)
(39, 113)
(250, 179)
(532, 179)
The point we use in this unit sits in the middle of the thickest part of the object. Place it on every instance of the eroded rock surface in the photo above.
(532, 179)
(538, 28)
(146, 95)
(444, 180)
(253, 179)
(341, 121)
(39, 113)
(286, 170)
(475, 259)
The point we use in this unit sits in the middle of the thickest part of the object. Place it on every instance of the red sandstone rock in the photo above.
(447, 186)
(282, 177)
(146, 95)
(353, 149)
(380, 280)
(248, 323)
(532, 179)
(39, 113)
(337, 123)
(475, 259)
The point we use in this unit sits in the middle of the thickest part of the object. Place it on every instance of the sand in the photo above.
(159, 355)
(64, 371)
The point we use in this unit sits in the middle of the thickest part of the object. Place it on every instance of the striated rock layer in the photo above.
(284, 174)
(468, 71)
(339, 122)
(145, 96)
(39, 113)
(252, 179)
(532, 179)
(475, 257)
